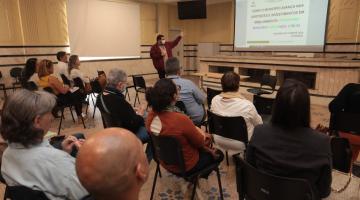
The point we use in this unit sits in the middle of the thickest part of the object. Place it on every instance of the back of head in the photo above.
(111, 163)
(18, 115)
(44, 68)
(60, 55)
(29, 69)
(172, 66)
(292, 105)
(161, 95)
(115, 76)
(230, 82)
(72, 62)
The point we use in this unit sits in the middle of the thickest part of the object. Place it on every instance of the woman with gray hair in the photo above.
(112, 102)
(30, 160)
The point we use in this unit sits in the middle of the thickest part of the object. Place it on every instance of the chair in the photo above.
(23, 193)
(253, 184)
(95, 89)
(80, 84)
(181, 106)
(211, 93)
(229, 127)
(268, 81)
(16, 74)
(169, 151)
(2, 86)
(139, 86)
(62, 108)
(263, 106)
(341, 154)
(345, 122)
(65, 80)
(107, 119)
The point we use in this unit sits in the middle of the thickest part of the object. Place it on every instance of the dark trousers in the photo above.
(161, 73)
(206, 159)
(75, 99)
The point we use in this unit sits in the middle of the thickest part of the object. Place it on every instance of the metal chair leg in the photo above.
(194, 189)
(82, 119)
(154, 182)
(61, 118)
(72, 115)
(219, 181)
(136, 97)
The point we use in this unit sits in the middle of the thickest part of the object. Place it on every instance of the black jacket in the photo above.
(300, 153)
(120, 110)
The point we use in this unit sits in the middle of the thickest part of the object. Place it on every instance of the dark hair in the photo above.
(158, 37)
(28, 71)
(292, 105)
(60, 55)
(172, 66)
(72, 62)
(230, 82)
(161, 95)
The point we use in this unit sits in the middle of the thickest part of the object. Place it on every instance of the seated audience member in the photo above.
(288, 147)
(74, 71)
(62, 66)
(29, 73)
(348, 100)
(166, 120)
(190, 94)
(112, 165)
(230, 103)
(113, 102)
(30, 160)
(65, 96)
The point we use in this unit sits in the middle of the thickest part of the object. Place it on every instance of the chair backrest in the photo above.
(168, 150)
(346, 122)
(1, 75)
(263, 105)
(229, 127)
(16, 73)
(268, 80)
(139, 81)
(341, 154)
(95, 86)
(79, 83)
(65, 80)
(49, 90)
(253, 184)
(211, 93)
(181, 106)
(23, 193)
(31, 86)
(108, 119)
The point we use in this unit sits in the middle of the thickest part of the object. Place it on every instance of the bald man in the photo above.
(112, 165)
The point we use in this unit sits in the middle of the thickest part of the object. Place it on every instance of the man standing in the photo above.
(161, 51)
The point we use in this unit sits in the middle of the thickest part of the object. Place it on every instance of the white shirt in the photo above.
(76, 73)
(34, 78)
(232, 107)
(42, 167)
(61, 68)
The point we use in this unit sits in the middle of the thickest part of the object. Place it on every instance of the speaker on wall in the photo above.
(192, 9)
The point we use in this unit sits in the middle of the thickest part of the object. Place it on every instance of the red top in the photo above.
(182, 128)
(155, 53)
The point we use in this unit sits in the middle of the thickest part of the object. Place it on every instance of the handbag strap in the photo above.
(103, 104)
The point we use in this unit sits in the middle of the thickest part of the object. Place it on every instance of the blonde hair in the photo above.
(44, 67)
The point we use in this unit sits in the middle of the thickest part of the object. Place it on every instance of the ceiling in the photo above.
(174, 1)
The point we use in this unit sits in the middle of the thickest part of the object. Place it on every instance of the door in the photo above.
(178, 51)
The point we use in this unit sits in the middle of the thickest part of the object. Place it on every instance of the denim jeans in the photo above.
(144, 136)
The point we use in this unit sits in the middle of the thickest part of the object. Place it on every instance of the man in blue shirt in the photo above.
(189, 93)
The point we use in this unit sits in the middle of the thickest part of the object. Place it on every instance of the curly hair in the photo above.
(161, 95)
(19, 113)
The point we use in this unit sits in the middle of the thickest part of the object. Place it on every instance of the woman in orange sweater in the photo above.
(166, 120)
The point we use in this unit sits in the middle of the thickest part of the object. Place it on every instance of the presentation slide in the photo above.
(280, 25)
